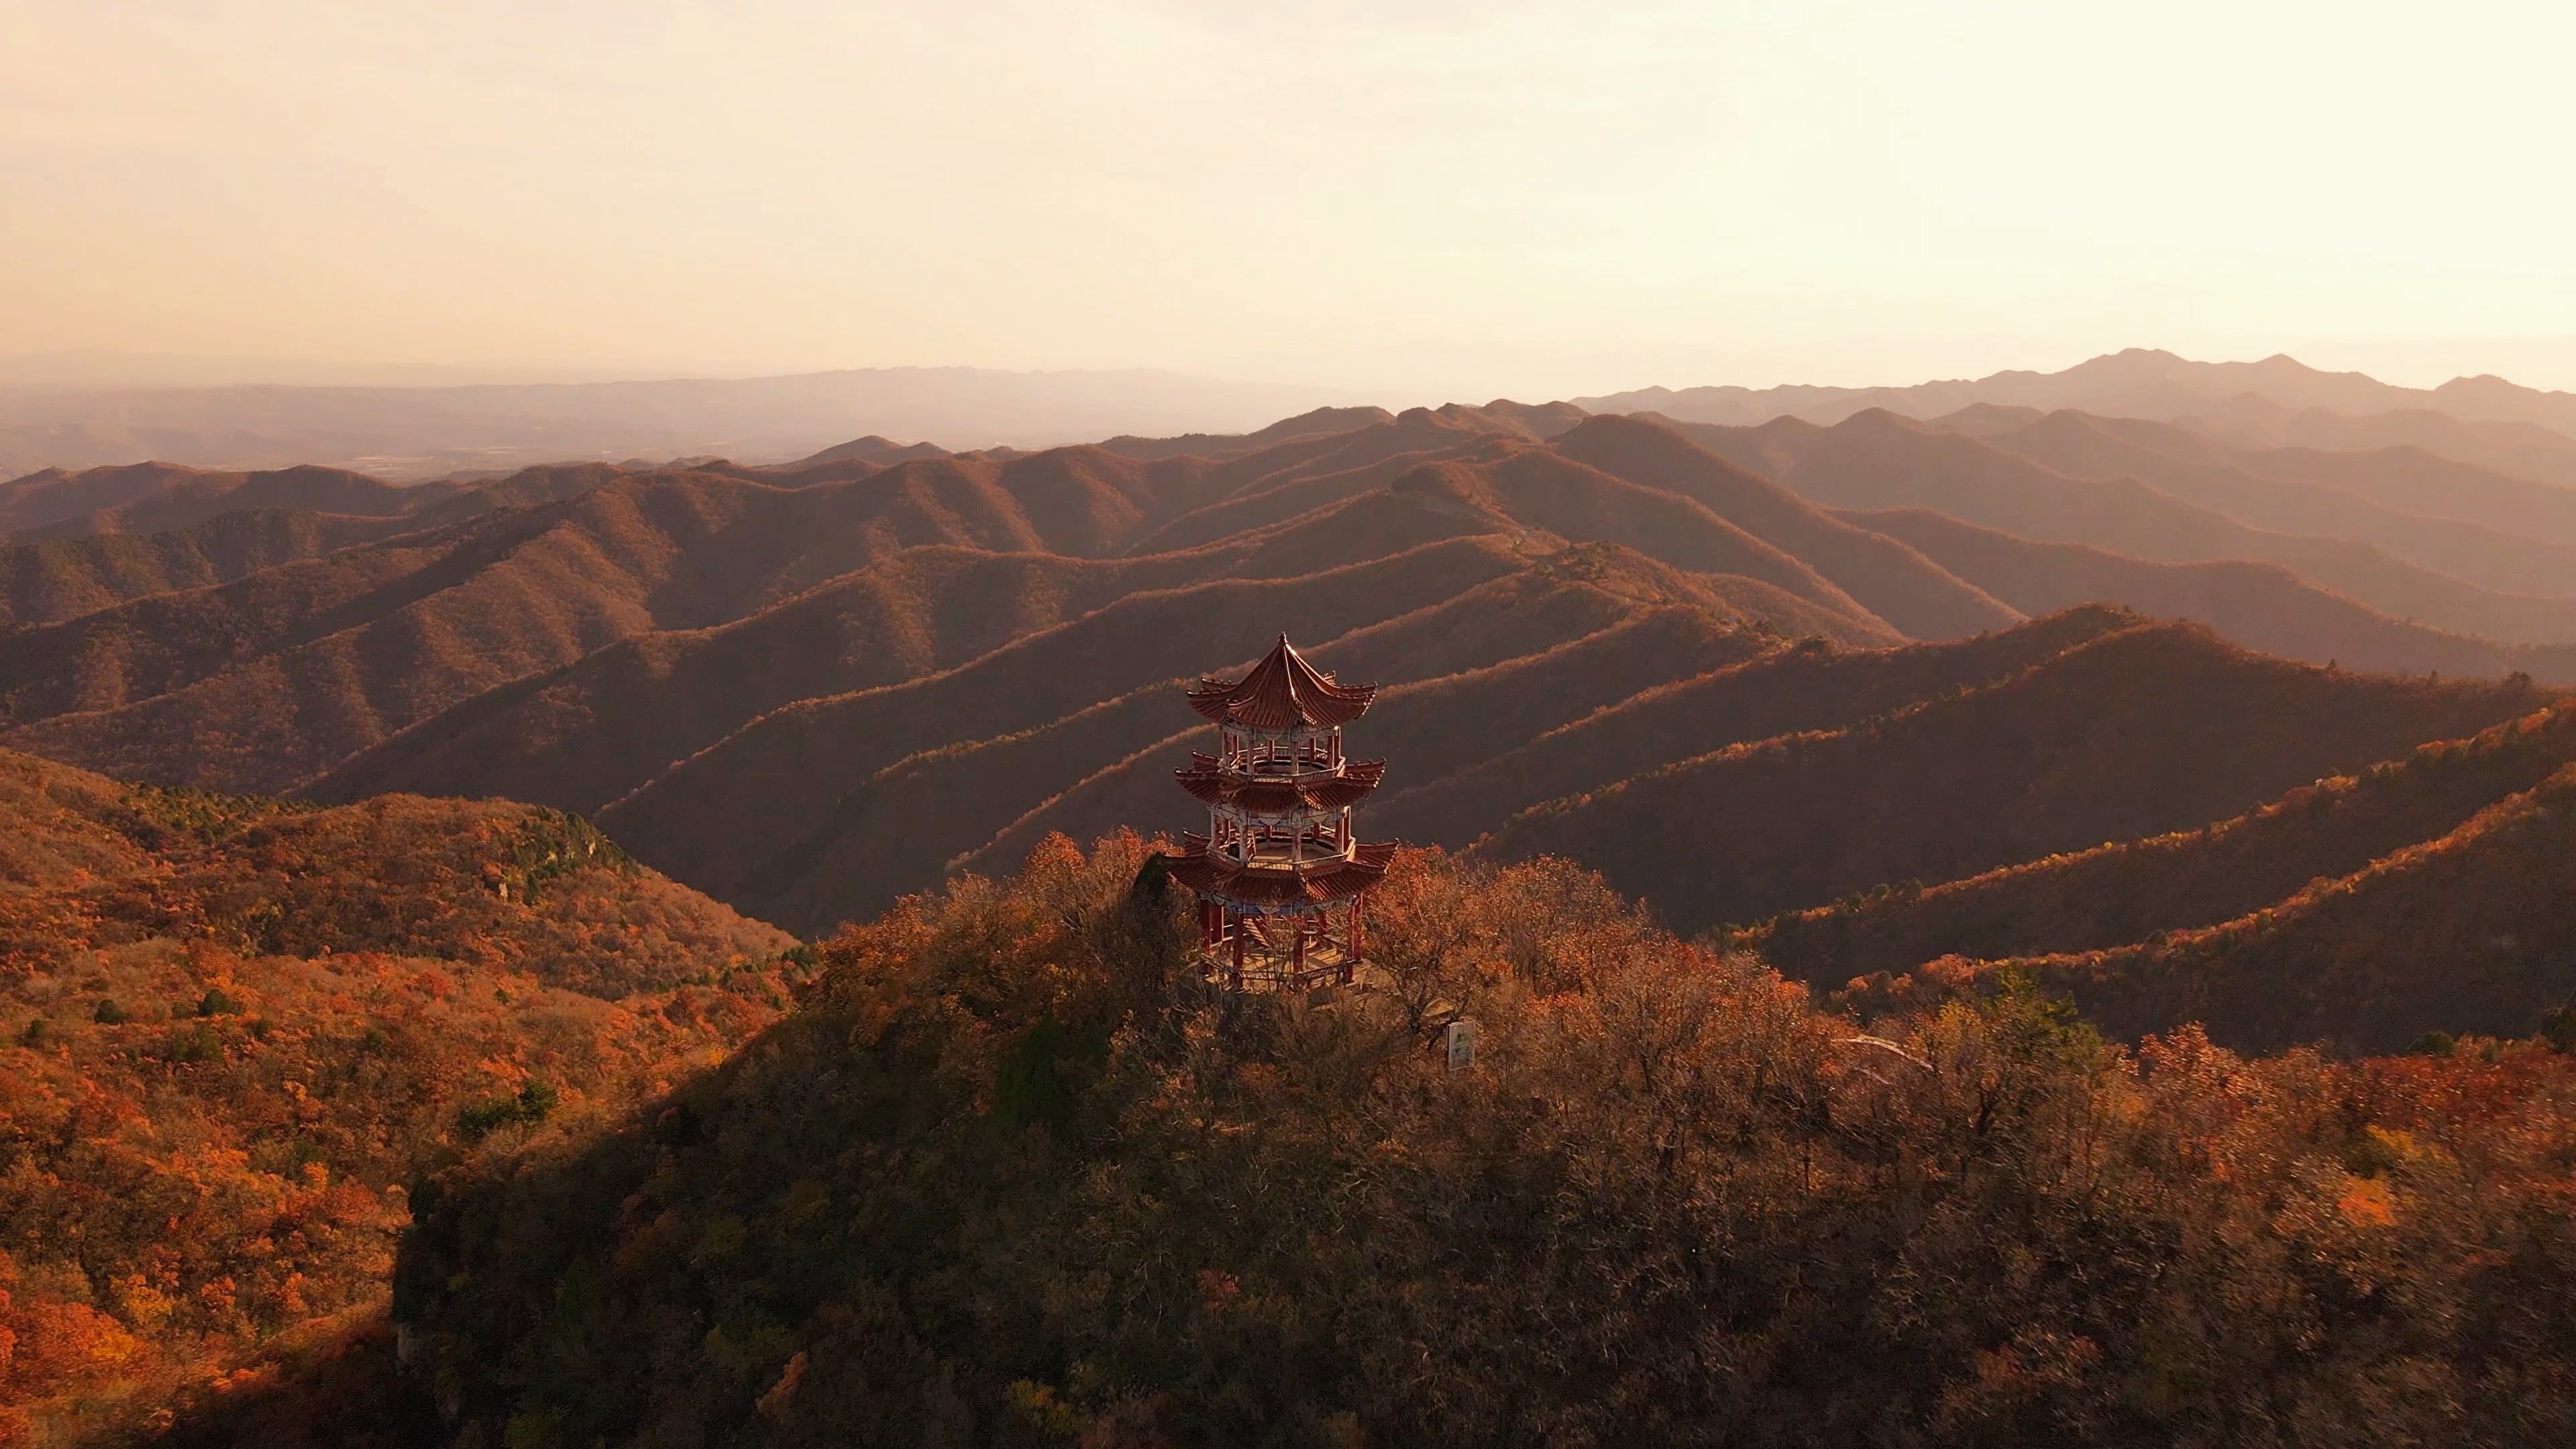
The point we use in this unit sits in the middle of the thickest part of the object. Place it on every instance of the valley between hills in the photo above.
(376, 853)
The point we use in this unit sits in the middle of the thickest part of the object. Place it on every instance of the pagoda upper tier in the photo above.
(1282, 692)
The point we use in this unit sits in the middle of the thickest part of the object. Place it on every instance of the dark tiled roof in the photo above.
(1283, 691)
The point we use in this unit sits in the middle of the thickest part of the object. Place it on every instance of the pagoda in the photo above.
(1281, 881)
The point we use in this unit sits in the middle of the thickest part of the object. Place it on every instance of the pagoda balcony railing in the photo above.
(1272, 756)
(1281, 847)
(1280, 852)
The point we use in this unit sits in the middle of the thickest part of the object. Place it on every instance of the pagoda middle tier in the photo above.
(1280, 885)
(1321, 791)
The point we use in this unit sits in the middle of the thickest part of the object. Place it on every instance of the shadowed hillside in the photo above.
(2153, 729)
(2133, 891)
(1808, 687)
(1489, 666)
(2468, 932)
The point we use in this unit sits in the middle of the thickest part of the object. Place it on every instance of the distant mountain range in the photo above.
(809, 687)
(400, 433)
(2240, 397)
(420, 432)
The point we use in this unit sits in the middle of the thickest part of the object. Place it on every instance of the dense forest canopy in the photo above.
(1012, 1175)
(238, 1029)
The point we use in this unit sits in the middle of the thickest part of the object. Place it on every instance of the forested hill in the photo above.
(238, 1029)
(1012, 1176)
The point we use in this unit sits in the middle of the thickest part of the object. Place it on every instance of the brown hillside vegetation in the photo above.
(2470, 932)
(2260, 605)
(2149, 730)
(45, 583)
(1877, 461)
(592, 731)
(799, 761)
(1899, 585)
(1567, 498)
(2135, 890)
(158, 497)
(276, 689)
(1010, 1176)
(1489, 666)
(1327, 422)
(237, 1028)
(1279, 483)
(1807, 687)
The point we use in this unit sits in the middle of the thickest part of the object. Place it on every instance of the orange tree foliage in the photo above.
(235, 1029)
(1012, 1175)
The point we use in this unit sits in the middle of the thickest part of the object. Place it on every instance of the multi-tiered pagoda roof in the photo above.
(1282, 692)
(1279, 876)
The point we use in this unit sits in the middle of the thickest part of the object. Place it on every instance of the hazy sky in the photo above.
(1457, 199)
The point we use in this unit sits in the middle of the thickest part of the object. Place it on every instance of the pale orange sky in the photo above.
(1445, 198)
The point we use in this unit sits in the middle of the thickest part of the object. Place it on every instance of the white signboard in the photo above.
(1461, 1040)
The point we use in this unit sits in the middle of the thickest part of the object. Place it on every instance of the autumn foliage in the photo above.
(236, 1029)
(1012, 1176)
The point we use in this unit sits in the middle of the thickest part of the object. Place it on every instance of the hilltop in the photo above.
(1057, 1192)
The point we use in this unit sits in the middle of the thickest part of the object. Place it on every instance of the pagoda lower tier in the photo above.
(1279, 886)
(1275, 927)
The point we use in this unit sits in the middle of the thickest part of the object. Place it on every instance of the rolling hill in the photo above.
(2133, 890)
(1875, 460)
(594, 730)
(2483, 534)
(2261, 605)
(2147, 730)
